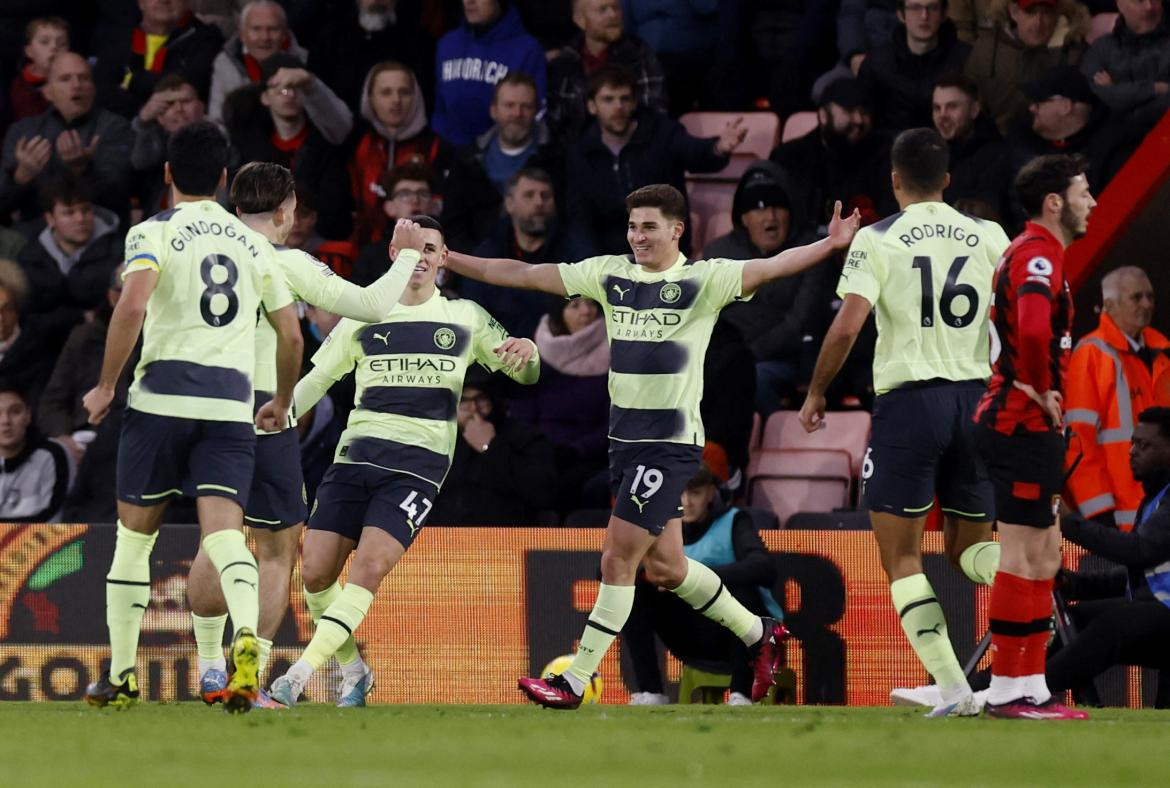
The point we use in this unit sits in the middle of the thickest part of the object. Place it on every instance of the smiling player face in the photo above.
(653, 237)
(434, 257)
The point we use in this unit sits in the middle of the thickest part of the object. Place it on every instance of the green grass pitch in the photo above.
(66, 744)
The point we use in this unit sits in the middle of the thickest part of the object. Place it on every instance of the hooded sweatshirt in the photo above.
(382, 148)
(470, 60)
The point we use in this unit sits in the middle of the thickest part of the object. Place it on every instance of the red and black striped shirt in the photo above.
(1031, 323)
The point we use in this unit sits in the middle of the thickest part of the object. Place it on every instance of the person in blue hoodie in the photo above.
(472, 58)
(726, 539)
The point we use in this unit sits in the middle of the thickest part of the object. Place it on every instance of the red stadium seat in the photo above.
(763, 131)
(799, 124)
(1100, 25)
(708, 199)
(799, 480)
(757, 432)
(845, 430)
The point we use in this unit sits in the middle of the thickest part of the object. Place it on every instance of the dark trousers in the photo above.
(690, 636)
(1111, 632)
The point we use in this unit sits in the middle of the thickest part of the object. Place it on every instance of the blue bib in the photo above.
(715, 548)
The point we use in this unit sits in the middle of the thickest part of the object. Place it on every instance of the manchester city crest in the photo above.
(444, 338)
(670, 293)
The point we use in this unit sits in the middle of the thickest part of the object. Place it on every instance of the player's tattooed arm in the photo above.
(792, 261)
(121, 337)
(508, 273)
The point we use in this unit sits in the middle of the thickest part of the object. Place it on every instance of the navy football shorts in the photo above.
(353, 496)
(647, 481)
(277, 499)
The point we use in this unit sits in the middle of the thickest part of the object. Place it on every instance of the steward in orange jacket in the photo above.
(1114, 375)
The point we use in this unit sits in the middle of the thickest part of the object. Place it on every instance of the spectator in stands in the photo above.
(625, 147)
(530, 232)
(471, 59)
(269, 122)
(787, 45)
(844, 158)
(570, 402)
(514, 139)
(1125, 617)
(1130, 67)
(24, 356)
(263, 34)
(169, 39)
(862, 27)
(303, 234)
(1068, 118)
(777, 320)
(1021, 46)
(72, 137)
(683, 36)
(601, 42)
(725, 539)
(729, 393)
(1115, 372)
(407, 190)
(397, 135)
(69, 263)
(44, 37)
(901, 75)
(174, 105)
(368, 32)
(60, 414)
(34, 472)
(978, 154)
(503, 471)
(550, 23)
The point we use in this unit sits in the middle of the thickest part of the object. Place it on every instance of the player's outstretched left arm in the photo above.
(373, 303)
(792, 261)
(290, 346)
(122, 336)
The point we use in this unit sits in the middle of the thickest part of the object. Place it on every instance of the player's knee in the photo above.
(666, 574)
(316, 576)
(617, 569)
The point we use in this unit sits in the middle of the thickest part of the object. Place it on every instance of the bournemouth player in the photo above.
(1019, 431)
(397, 447)
(198, 277)
(926, 272)
(659, 311)
(263, 195)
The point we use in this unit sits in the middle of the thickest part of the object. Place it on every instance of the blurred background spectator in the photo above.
(44, 38)
(34, 472)
(1130, 67)
(683, 36)
(979, 161)
(25, 358)
(173, 105)
(407, 190)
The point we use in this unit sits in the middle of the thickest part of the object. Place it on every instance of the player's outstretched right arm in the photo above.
(508, 273)
(373, 303)
(121, 337)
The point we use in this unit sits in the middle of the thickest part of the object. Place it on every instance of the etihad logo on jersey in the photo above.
(394, 364)
(631, 317)
(946, 232)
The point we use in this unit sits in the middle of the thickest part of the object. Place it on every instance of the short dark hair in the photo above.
(10, 386)
(957, 79)
(902, 5)
(1045, 175)
(412, 171)
(261, 187)
(662, 196)
(516, 78)
(612, 77)
(531, 173)
(58, 22)
(429, 223)
(198, 155)
(1158, 416)
(64, 190)
(921, 157)
(172, 81)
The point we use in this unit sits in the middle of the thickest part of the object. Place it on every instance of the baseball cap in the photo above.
(1065, 81)
(846, 92)
(760, 189)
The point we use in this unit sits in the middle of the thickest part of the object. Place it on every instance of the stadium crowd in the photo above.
(522, 125)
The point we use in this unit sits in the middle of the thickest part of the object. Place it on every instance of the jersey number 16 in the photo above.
(951, 290)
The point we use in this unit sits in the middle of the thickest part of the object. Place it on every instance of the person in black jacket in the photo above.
(35, 473)
(900, 76)
(1124, 615)
(624, 149)
(726, 540)
(169, 39)
(24, 357)
(69, 263)
(503, 472)
(978, 154)
(268, 122)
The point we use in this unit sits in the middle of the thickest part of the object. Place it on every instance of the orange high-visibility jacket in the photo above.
(1107, 386)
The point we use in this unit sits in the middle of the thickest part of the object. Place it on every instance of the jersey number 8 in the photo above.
(951, 290)
(208, 273)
